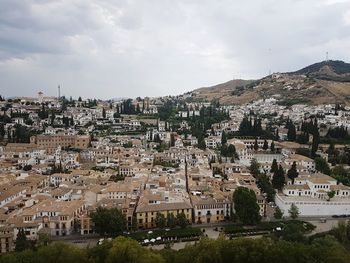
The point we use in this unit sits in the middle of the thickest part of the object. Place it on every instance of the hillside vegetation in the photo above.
(321, 83)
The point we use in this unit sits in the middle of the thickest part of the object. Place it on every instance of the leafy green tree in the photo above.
(254, 167)
(21, 241)
(292, 172)
(265, 185)
(330, 194)
(293, 211)
(171, 220)
(128, 250)
(181, 219)
(322, 166)
(109, 222)
(278, 213)
(246, 206)
(160, 220)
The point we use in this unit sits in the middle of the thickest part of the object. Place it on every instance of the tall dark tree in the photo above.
(21, 241)
(223, 138)
(266, 145)
(322, 166)
(272, 146)
(246, 206)
(160, 220)
(292, 133)
(103, 113)
(315, 143)
(292, 172)
(256, 145)
(274, 166)
(278, 179)
(254, 167)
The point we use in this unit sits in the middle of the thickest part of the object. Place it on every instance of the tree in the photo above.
(266, 145)
(128, 250)
(293, 211)
(256, 145)
(274, 166)
(171, 220)
(223, 138)
(21, 241)
(160, 220)
(254, 167)
(292, 172)
(272, 146)
(315, 142)
(291, 134)
(278, 179)
(103, 113)
(265, 185)
(331, 194)
(108, 221)
(278, 213)
(181, 219)
(322, 166)
(246, 206)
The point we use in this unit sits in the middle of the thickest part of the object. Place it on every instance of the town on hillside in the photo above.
(78, 167)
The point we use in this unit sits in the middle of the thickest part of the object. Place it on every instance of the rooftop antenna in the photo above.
(269, 54)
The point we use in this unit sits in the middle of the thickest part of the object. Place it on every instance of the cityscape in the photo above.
(254, 169)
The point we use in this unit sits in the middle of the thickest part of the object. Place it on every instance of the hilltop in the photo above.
(319, 83)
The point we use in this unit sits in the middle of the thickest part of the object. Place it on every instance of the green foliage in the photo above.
(292, 172)
(278, 213)
(182, 221)
(21, 241)
(249, 128)
(261, 250)
(245, 205)
(278, 179)
(293, 211)
(274, 166)
(264, 184)
(160, 220)
(322, 166)
(109, 222)
(254, 167)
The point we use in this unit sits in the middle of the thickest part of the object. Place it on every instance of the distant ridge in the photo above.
(320, 83)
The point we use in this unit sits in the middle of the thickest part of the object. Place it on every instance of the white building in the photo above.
(310, 194)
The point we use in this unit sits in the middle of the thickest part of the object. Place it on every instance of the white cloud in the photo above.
(107, 48)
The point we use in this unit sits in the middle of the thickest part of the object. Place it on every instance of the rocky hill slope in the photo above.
(320, 83)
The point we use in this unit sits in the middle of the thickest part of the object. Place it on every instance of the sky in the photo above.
(110, 49)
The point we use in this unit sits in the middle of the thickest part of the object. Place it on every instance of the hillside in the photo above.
(319, 83)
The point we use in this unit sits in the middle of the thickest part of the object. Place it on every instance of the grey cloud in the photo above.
(107, 48)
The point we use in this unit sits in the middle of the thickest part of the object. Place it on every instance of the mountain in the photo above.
(320, 83)
(329, 70)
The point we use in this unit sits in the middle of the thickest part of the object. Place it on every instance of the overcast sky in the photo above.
(110, 48)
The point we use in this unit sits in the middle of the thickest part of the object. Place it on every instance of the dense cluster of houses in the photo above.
(53, 182)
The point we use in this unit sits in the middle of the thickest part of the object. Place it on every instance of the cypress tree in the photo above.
(292, 172)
